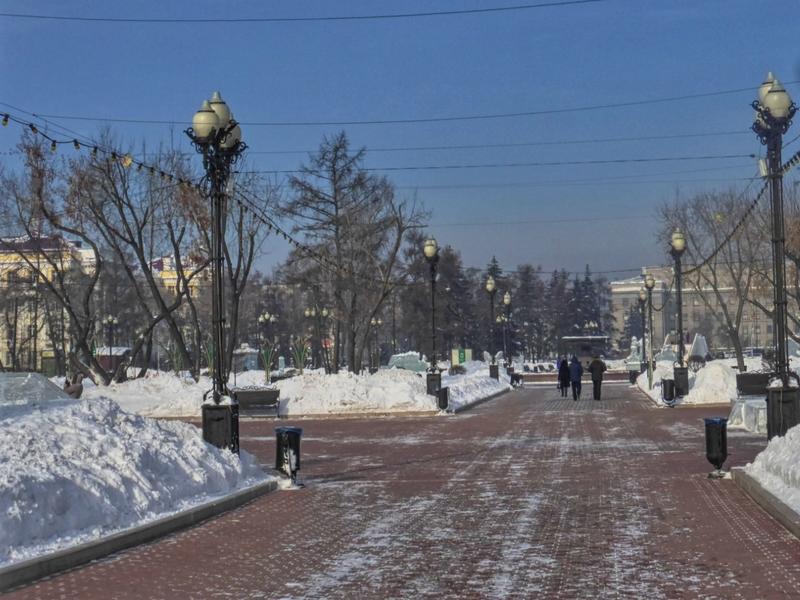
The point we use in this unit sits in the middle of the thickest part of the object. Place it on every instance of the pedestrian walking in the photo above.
(597, 367)
(575, 374)
(563, 377)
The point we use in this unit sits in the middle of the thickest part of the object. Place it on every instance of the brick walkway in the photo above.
(526, 496)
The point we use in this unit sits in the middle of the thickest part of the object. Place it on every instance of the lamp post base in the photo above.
(681, 377)
(221, 426)
(494, 371)
(783, 410)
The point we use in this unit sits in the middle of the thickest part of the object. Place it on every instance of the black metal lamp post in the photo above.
(310, 313)
(491, 289)
(110, 322)
(375, 358)
(527, 353)
(506, 332)
(649, 284)
(434, 378)
(324, 315)
(680, 370)
(774, 111)
(643, 314)
(217, 137)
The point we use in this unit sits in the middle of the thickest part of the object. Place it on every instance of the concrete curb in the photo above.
(775, 507)
(464, 407)
(25, 572)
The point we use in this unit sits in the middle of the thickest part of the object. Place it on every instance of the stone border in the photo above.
(464, 407)
(25, 572)
(775, 507)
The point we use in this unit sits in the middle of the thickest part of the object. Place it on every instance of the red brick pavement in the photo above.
(526, 496)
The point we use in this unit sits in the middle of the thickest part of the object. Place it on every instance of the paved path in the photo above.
(526, 496)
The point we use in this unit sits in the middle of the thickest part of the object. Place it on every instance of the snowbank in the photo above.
(776, 468)
(313, 393)
(715, 383)
(76, 471)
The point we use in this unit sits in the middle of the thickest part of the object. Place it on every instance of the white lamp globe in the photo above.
(204, 121)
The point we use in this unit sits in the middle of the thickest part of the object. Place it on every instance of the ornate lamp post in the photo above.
(680, 370)
(506, 321)
(491, 289)
(110, 322)
(375, 359)
(643, 314)
(774, 111)
(434, 378)
(649, 284)
(217, 137)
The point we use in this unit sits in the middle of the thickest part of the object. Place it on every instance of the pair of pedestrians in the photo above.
(569, 375)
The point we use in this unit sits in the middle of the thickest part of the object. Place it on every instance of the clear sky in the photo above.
(559, 57)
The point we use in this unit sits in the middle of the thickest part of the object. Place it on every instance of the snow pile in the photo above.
(388, 390)
(663, 370)
(474, 385)
(76, 471)
(312, 393)
(158, 394)
(777, 469)
(714, 383)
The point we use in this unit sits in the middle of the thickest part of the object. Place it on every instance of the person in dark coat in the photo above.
(563, 377)
(575, 374)
(597, 367)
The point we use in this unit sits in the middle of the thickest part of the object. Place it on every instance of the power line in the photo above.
(232, 20)
(557, 163)
(525, 144)
(397, 121)
(539, 221)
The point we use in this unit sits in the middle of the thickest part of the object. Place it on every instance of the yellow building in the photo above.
(30, 319)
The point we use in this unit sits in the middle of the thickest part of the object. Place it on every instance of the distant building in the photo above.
(755, 330)
(28, 323)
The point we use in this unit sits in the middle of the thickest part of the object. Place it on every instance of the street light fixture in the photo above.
(680, 370)
(110, 322)
(431, 252)
(216, 135)
(491, 289)
(649, 284)
(774, 111)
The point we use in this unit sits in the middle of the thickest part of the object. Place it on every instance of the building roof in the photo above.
(47, 243)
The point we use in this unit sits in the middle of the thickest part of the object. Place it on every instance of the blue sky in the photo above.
(549, 58)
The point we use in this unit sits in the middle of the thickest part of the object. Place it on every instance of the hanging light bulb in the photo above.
(52, 146)
(33, 128)
(94, 150)
(5, 120)
(77, 144)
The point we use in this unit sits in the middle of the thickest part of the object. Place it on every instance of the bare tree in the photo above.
(725, 282)
(355, 226)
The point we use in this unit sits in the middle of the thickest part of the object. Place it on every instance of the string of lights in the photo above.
(786, 167)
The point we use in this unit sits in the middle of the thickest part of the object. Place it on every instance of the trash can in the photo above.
(221, 425)
(494, 371)
(716, 441)
(444, 398)
(433, 383)
(681, 375)
(633, 376)
(668, 391)
(287, 450)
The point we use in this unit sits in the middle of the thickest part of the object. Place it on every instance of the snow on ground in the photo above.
(73, 471)
(776, 468)
(162, 394)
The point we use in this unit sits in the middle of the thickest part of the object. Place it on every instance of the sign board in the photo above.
(458, 356)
